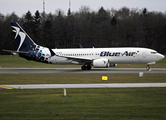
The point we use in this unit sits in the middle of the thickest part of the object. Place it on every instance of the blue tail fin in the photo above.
(23, 41)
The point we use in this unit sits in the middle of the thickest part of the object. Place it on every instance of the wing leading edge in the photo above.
(77, 60)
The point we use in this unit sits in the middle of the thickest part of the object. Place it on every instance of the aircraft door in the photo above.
(144, 54)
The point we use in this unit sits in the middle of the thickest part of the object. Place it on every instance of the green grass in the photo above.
(90, 104)
(121, 104)
(76, 78)
(10, 61)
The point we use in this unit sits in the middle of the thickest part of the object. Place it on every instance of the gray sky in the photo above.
(22, 6)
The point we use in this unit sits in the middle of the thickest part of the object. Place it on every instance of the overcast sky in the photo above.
(22, 6)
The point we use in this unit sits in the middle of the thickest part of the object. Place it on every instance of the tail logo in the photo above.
(21, 34)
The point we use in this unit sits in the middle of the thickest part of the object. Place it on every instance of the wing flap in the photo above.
(77, 60)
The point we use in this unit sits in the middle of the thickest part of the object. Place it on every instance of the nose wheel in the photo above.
(148, 67)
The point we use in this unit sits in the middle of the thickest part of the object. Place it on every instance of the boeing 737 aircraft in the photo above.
(87, 57)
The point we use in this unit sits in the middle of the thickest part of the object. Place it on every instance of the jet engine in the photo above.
(101, 63)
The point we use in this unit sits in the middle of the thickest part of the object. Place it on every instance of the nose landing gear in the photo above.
(148, 67)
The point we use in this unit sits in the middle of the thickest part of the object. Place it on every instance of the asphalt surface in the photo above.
(96, 85)
(79, 71)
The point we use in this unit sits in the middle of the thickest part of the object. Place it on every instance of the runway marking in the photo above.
(7, 87)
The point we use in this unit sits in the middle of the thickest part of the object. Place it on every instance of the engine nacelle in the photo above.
(101, 63)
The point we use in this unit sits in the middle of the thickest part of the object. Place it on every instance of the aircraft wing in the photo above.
(77, 60)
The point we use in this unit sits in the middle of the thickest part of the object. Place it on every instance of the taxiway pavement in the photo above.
(79, 71)
(96, 85)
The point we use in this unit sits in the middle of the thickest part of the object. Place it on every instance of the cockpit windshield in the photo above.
(153, 52)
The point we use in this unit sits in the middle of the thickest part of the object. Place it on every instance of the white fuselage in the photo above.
(114, 55)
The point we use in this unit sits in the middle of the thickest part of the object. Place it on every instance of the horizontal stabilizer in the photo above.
(15, 52)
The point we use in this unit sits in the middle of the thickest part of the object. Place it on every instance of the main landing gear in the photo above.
(86, 67)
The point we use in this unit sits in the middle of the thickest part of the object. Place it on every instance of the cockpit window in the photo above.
(153, 52)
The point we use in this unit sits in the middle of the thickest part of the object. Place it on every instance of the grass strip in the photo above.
(77, 78)
(90, 104)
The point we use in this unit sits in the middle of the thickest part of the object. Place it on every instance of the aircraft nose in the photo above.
(160, 56)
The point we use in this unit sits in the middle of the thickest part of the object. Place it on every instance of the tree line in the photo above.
(103, 28)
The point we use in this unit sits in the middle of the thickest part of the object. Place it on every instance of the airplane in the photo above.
(87, 57)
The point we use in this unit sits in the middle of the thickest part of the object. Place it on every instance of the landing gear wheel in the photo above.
(83, 67)
(89, 67)
(148, 67)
